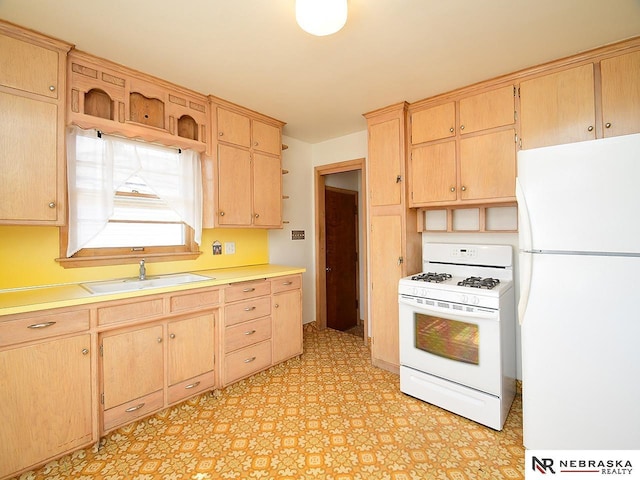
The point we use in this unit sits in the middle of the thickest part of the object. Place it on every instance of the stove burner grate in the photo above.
(432, 277)
(479, 282)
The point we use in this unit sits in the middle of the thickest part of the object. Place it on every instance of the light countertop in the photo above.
(33, 299)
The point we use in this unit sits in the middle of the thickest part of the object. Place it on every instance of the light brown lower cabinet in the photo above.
(45, 397)
(151, 352)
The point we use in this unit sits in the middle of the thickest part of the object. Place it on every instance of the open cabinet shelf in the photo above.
(501, 218)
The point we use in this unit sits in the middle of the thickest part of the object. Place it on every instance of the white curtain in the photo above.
(97, 167)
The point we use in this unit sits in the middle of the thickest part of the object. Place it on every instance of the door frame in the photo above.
(320, 239)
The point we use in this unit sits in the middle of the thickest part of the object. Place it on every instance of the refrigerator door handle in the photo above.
(524, 222)
(526, 258)
(526, 261)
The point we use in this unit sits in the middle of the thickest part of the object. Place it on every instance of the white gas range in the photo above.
(457, 331)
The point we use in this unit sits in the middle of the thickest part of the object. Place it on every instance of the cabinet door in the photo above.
(234, 186)
(28, 67)
(233, 128)
(558, 108)
(495, 108)
(287, 325)
(621, 94)
(45, 393)
(28, 159)
(433, 123)
(132, 365)
(267, 190)
(266, 138)
(386, 271)
(488, 166)
(433, 173)
(191, 348)
(385, 163)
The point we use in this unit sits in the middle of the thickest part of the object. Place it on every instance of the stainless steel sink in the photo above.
(133, 284)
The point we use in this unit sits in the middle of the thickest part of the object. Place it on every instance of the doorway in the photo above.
(341, 223)
(324, 176)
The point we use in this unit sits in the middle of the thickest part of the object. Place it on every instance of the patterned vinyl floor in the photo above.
(327, 415)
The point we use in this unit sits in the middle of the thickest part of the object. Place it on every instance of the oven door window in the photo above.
(447, 338)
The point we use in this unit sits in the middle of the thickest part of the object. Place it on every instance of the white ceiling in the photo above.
(251, 52)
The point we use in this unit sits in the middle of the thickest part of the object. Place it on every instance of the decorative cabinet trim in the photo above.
(119, 100)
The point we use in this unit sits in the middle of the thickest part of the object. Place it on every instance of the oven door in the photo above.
(451, 343)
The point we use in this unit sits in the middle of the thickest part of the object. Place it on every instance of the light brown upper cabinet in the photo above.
(32, 96)
(471, 160)
(116, 99)
(558, 108)
(621, 94)
(248, 170)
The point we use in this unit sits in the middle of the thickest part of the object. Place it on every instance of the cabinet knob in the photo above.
(220, 134)
(453, 189)
(607, 125)
(159, 339)
(52, 88)
(257, 215)
(276, 305)
(52, 204)
(590, 128)
(85, 351)
(222, 214)
(464, 189)
(255, 144)
(461, 127)
(173, 335)
(451, 129)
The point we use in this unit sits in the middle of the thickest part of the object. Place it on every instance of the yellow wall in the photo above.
(27, 257)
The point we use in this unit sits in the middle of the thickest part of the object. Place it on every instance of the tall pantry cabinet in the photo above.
(394, 244)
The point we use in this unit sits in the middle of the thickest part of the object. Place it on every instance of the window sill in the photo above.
(76, 262)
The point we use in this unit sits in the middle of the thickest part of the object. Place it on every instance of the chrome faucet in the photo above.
(143, 271)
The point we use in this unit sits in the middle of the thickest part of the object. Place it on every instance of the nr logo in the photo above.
(542, 465)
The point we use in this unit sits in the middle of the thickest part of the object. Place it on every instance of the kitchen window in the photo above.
(129, 200)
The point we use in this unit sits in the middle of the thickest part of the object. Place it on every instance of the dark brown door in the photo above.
(341, 217)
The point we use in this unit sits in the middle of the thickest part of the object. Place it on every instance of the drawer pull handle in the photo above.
(249, 360)
(248, 309)
(247, 290)
(41, 325)
(250, 332)
(287, 283)
(133, 409)
(192, 385)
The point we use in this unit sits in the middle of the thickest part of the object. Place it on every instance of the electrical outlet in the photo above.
(229, 248)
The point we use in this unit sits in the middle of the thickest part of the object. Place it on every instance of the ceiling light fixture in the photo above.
(321, 17)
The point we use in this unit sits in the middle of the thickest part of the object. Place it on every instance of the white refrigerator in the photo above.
(579, 306)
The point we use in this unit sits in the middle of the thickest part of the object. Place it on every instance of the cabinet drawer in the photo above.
(247, 290)
(132, 410)
(249, 360)
(49, 324)
(194, 300)
(191, 387)
(282, 284)
(247, 333)
(243, 311)
(123, 312)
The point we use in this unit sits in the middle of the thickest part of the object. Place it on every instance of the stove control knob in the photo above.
(465, 299)
(476, 300)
